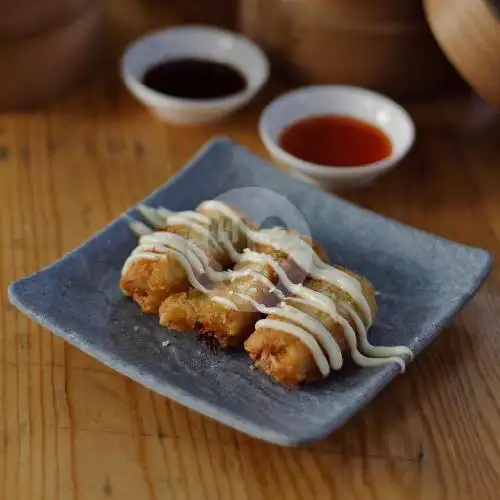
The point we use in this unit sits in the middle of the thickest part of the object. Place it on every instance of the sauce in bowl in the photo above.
(192, 78)
(335, 141)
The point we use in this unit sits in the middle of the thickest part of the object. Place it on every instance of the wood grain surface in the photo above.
(72, 429)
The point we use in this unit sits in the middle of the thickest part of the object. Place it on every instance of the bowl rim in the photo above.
(317, 170)
(158, 99)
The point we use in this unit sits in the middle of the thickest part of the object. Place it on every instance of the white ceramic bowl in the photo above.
(356, 102)
(199, 42)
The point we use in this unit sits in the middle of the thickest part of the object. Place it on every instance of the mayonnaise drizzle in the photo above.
(165, 241)
(305, 337)
(183, 261)
(139, 228)
(250, 256)
(300, 252)
(200, 218)
(304, 320)
(152, 215)
(182, 219)
(311, 332)
(370, 349)
(321, 334)
(234, 255)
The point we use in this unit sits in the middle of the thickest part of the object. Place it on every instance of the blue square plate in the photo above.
(423, 281)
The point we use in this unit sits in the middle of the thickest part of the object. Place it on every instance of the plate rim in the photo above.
(379, 380)
(222, 140)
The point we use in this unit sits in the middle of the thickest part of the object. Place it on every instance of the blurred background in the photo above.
(388, 45)
(77, 150)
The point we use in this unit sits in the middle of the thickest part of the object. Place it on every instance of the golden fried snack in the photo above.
(223, 315)
(305, 337)
(226, 314)
(305, 314)
(170, 260)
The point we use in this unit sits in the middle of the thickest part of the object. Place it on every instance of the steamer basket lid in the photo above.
(468, 32)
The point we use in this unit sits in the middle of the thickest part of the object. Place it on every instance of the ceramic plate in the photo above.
(422, 281)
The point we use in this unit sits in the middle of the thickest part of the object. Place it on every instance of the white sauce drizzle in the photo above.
(225, 302)
(164, 212)
(370, 349)
(194, 259)
(304, 336)
(250, 256)
(258, 277)
(166, 241)
(234, 255)
(183, 261)
(300, 252)
(152, 216)
(185, 220)
(321, 334)
(160, 217)
(327, 305)
(139, 228)
(347, 283)
(200, 218)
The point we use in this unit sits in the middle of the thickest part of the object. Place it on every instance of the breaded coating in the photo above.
(215, 317)
(150, 281)
(285, 357)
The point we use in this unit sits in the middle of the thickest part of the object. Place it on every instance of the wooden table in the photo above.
(74, 429)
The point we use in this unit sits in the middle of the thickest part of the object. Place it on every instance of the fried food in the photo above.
(170, 260)
(303, 339)
(225, 313)
(272, 290)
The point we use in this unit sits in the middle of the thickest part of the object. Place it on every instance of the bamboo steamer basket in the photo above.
(38, 61)
(468, 32)
(385, 45)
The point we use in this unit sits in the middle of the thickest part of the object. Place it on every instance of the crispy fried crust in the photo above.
(180, 311)
(150, 282)
(283, 356)
(228, 326)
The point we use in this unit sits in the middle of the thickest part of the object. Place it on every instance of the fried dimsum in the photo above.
(224, 313)
(309, 333)
(170, 260)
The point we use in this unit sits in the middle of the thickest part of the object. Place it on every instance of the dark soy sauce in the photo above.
(192, 78)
